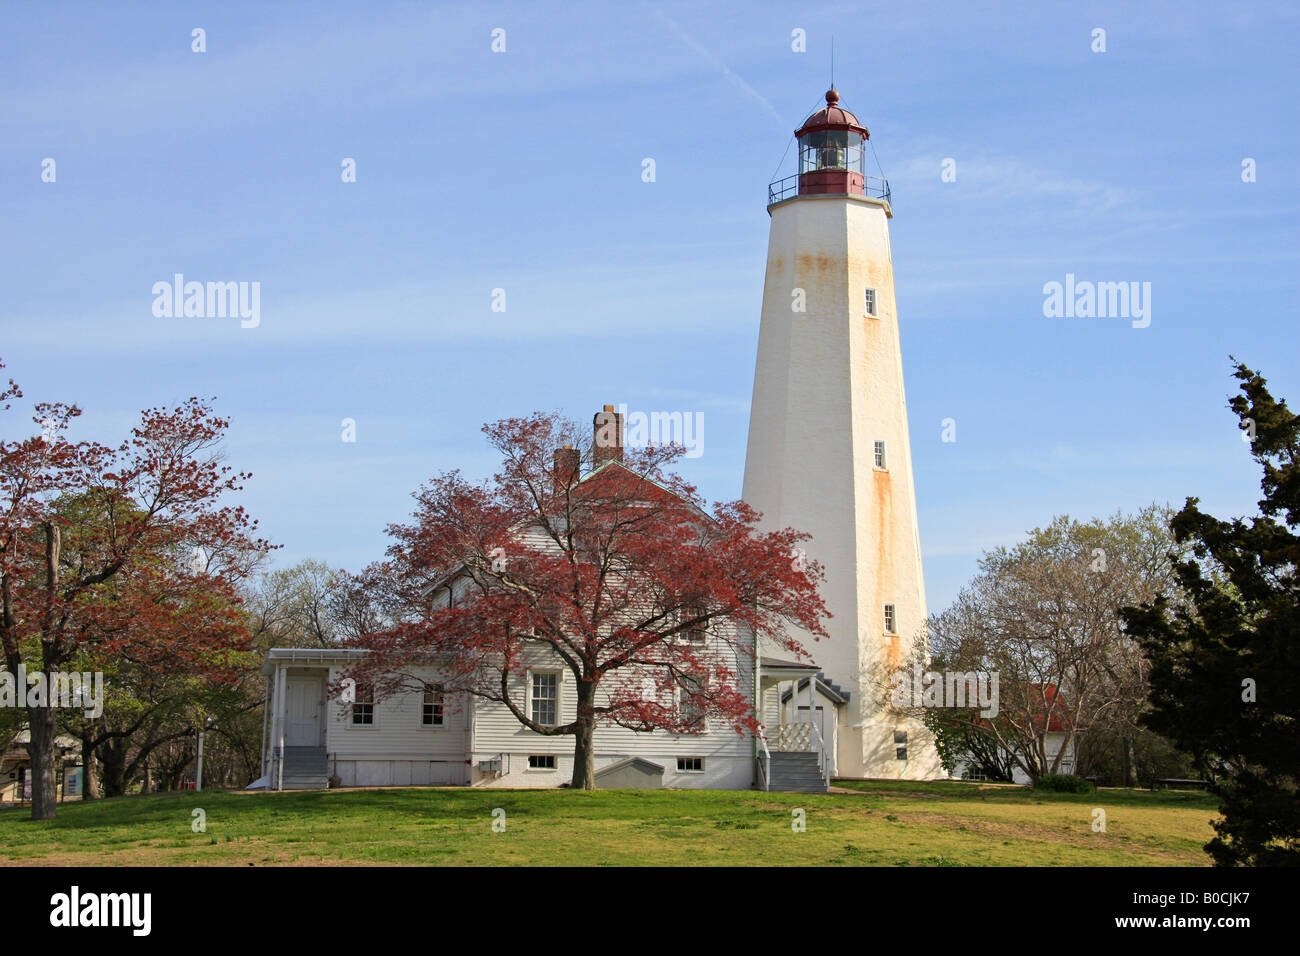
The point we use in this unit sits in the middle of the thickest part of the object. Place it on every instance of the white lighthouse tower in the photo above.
(828, 445)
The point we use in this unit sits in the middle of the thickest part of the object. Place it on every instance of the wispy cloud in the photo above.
(729, 74)
(1002, 177)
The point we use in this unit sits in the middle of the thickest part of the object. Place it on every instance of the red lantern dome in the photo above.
(832, 117)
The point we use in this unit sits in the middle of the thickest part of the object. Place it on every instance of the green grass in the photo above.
(883, 824)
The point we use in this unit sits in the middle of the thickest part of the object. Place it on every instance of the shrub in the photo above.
(1063, 783)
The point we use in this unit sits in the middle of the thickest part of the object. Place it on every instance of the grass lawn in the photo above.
(881, 824)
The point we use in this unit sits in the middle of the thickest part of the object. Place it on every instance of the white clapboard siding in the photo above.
(397, 733)
(728, 755)
(772, 709)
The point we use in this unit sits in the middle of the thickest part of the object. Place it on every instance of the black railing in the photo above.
(782, 189)
(788, 187)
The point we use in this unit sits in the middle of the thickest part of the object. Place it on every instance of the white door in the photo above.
(303, 724)
(826, 724)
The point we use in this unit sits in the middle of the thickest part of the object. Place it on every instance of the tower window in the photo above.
(900, 744)
(891, 620)
(880, 454)
(871, 302)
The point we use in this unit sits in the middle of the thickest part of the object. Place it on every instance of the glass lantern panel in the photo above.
(830, 149)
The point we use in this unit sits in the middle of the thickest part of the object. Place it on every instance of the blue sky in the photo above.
(522, 170)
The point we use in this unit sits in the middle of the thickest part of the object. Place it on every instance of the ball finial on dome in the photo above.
(832, 97)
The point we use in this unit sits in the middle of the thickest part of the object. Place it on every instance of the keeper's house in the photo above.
(425, 736)
(422, 738)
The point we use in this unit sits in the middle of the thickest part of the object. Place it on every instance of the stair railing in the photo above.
(765, 771)
(822, 756)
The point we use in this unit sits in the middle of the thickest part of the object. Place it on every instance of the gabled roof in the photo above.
(608, 469)
(824, 687)
(22, 738)
(603, 471)
(1053, 700)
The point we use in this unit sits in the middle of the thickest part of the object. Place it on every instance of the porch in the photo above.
(310, 740)
(294, 733)
(796, 746)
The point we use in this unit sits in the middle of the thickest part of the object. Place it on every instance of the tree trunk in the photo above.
(1130, 762)
(40, 721)
(88, 781)
(584, 749)
(114, 760)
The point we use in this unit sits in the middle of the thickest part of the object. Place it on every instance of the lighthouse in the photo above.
(828, 450)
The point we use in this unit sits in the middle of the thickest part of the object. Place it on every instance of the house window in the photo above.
(900, 744)
(696, 633)
(871, 302)
(541, 761)
(363, 706)
(690, 765)
(431, 711)
(546, 698)
(880, 455)
(692, 702)
(891, 620)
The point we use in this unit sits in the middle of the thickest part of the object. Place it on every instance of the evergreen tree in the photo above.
(1225, 667)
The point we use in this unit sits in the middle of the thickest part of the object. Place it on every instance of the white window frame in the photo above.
(681, 769)
(559, 693)
(358, 702)
(555, 763)
(879, 454)
(686, 637)
(891, 618)
(870, 304)
(440, 707)
(682, 697)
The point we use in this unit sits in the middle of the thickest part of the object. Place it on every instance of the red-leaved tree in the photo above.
(603, 563)
(83, 526)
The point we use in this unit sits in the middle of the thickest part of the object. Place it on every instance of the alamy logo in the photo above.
(947, 689)
(1100, 300)
(75, 691)
(75, 909)
(655, 429)
(211, 300)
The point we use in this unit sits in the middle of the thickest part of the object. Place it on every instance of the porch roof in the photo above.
(773, 670)
(308, 655)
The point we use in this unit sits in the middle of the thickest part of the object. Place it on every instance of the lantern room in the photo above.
(831, 151)
(832, 157)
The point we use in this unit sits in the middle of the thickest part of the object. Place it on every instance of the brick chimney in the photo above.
(567, 463)
(607, 437)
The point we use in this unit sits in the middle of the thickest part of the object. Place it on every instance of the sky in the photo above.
(1167, 158)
